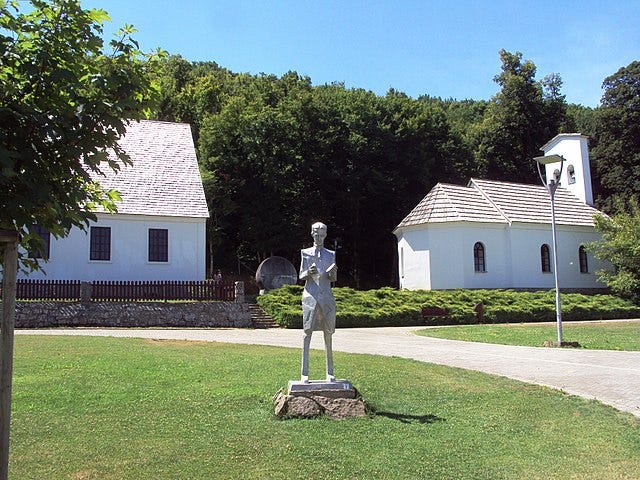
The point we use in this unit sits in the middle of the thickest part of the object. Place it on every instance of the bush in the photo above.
(389, 307)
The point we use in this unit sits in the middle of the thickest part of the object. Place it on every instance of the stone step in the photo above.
(260, 318)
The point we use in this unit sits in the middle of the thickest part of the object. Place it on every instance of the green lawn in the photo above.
(593, 335)
(104, 408)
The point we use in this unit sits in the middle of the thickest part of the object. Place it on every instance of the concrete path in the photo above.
(608, 376)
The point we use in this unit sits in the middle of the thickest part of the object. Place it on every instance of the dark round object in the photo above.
(275, 272)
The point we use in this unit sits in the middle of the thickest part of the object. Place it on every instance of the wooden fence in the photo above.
(208, 290)
(47, 289)
(118, 291)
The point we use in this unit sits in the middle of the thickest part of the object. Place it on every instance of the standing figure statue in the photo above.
(318, 269)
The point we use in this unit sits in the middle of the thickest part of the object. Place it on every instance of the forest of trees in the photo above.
(278, 153)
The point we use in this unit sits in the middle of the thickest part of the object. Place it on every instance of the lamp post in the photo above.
(552, 185)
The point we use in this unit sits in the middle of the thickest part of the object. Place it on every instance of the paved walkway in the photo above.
(608, 376)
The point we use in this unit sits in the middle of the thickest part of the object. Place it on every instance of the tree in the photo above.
(280, 154)
(616, 149)
(520, 118)
(190, 91)
(64, 103)
(620, 245)
(581, 119)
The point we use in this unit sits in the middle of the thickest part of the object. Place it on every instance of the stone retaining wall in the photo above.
(138, 314)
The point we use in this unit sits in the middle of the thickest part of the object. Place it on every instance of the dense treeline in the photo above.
(278, 153)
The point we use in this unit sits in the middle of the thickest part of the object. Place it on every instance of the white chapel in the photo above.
(492, 234)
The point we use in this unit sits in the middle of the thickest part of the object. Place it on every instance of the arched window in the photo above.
(582, 256)
(479, 264)
(545, 258)
(571, 173)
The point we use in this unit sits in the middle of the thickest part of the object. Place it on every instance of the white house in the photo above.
(492, 234)
(159, 230)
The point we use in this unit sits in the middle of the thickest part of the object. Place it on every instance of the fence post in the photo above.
(86, 290)
(239, 290)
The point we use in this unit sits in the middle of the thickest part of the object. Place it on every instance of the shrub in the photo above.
(390, 307)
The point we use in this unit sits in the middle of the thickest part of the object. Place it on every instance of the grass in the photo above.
(106, 408)
(594, 335)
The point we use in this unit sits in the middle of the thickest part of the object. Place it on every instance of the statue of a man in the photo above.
(318, 269)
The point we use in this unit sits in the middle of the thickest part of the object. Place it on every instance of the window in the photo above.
(158, 245)
(43, 251)
(545, 258)
(478, 258)
(100, 248)
(582, 256)
(571, 173)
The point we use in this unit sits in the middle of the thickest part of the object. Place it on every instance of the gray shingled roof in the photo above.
(164, 178)
(490, 201)
(453, 203)
(531, 203)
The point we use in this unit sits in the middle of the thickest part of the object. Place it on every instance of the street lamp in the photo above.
(552, 185)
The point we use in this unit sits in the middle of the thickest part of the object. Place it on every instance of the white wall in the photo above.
(495, 239)
(447, 264)
(441, 256)
(569, 242)
(574, 149)
(414, 261)
(69, 257)
(528, 239)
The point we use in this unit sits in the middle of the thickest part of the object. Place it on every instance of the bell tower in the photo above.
(576, 172)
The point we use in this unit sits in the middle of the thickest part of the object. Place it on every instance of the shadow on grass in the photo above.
(406, 418)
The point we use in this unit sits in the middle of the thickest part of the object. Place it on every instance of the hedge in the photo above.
(390, 307)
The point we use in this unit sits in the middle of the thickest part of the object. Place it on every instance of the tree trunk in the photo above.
(9, 241)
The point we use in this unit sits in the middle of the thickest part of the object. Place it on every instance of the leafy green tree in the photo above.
(464, 118)
(581, 119)
(278, 154)
(616, 148)
(620, 245)
(63, 104)
(520, 118)
(252, 148)
(189, 91)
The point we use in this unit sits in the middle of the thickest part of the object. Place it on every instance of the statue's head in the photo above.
(318, 233)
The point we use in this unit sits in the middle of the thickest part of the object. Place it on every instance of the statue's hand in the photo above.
(313, 269)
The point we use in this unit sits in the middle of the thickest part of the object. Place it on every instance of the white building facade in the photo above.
(493, 234)
(159, 230)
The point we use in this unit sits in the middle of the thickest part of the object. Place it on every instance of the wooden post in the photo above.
(9, 242)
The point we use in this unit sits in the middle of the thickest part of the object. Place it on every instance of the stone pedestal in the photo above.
(335, 389)
(337, 399)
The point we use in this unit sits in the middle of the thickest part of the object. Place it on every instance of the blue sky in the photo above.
(439, 48)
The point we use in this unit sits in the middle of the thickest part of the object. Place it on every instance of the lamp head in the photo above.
(546, 159)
